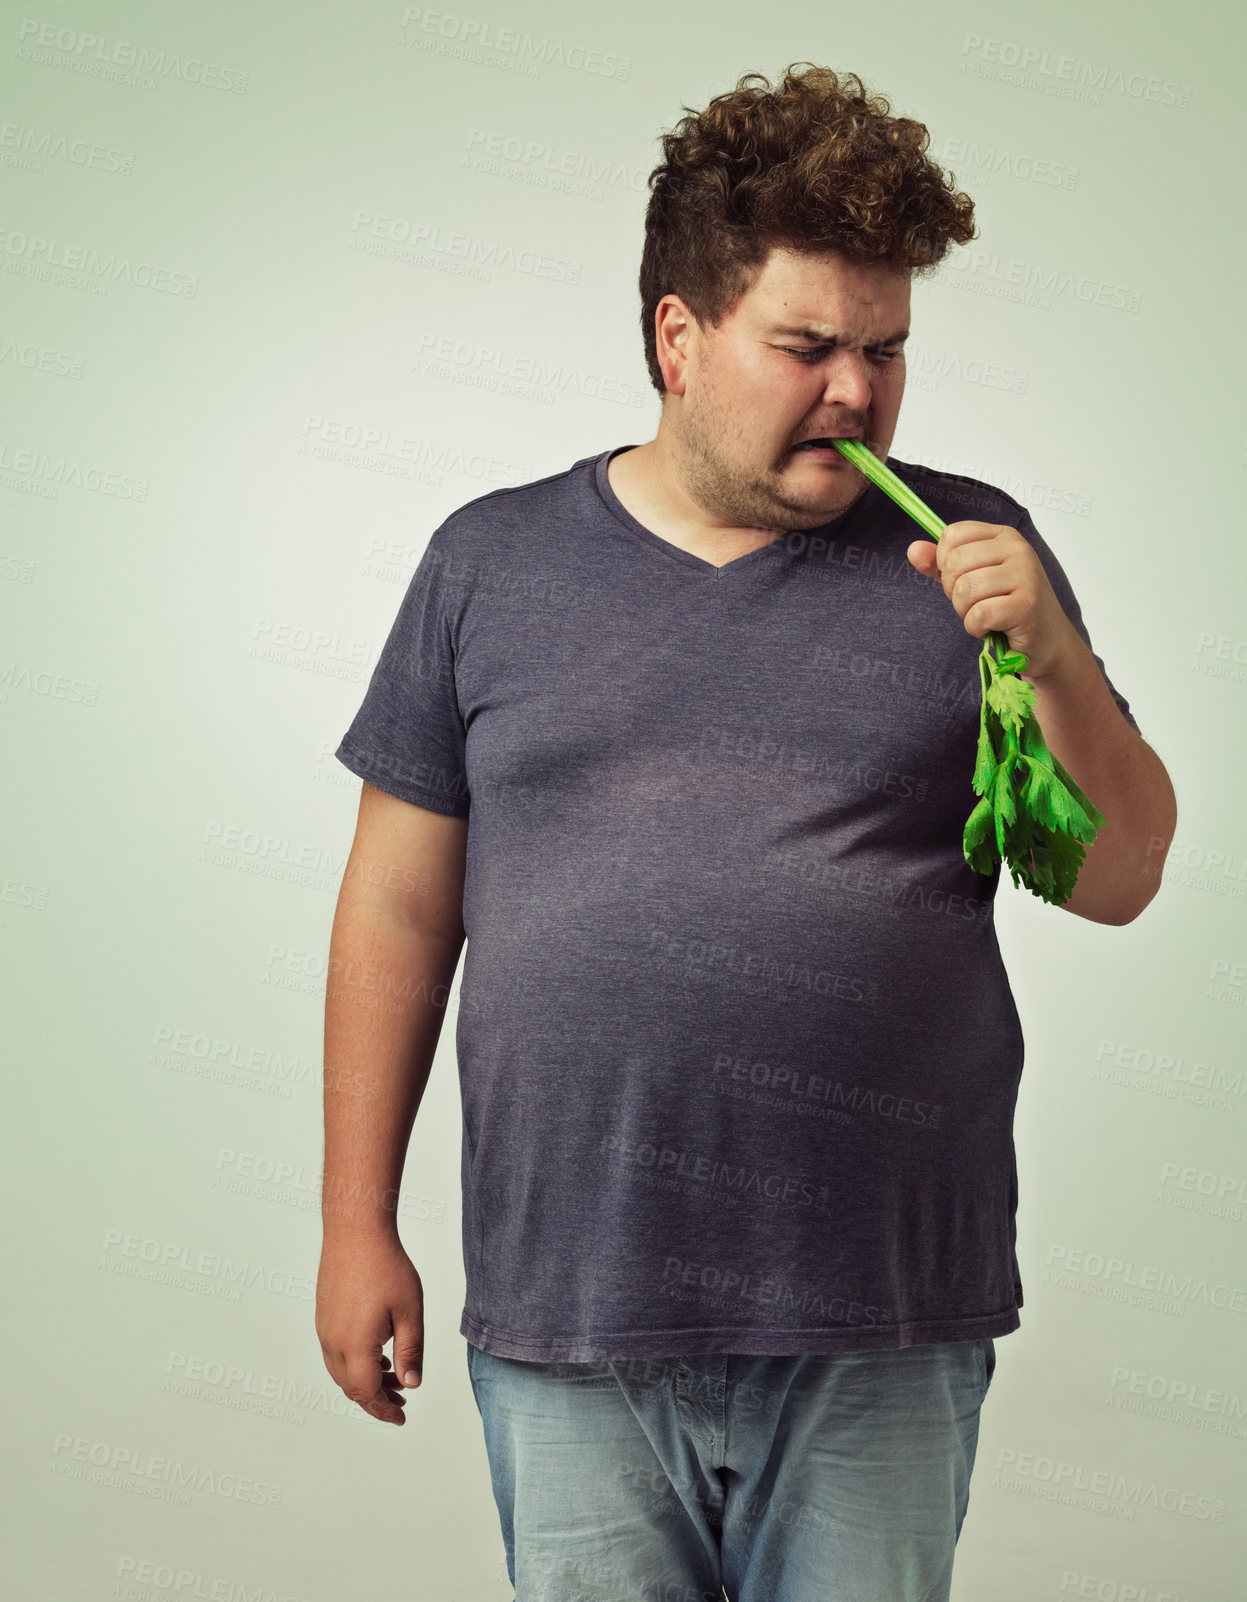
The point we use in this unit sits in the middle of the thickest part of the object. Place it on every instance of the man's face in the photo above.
(814, 347)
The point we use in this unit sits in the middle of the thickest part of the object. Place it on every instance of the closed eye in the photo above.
(817, 352)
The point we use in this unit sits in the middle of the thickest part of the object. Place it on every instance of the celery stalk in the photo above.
(1031, 814)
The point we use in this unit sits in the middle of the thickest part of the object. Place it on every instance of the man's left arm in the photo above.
(995, 580)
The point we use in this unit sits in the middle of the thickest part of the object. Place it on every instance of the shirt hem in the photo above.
(710, 1339)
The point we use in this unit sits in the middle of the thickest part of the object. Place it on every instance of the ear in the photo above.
(672, 324)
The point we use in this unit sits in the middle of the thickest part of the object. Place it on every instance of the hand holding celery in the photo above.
(1032, 814)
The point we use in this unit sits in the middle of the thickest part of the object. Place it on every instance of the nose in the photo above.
(849, 379)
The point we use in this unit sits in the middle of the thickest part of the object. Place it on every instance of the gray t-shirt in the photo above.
(737, 1051)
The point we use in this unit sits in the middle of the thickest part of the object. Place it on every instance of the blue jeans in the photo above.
(839, 1478)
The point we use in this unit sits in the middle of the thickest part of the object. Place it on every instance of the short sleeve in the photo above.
(408, 736)
(1069, 605)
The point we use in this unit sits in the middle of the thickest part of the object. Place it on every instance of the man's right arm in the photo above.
(395, 944)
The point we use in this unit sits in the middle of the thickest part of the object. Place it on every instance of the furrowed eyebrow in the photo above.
(897, 338)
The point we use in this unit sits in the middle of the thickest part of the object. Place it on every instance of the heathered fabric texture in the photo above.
(737, 1050)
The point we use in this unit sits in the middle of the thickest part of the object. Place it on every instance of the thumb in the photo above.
(923, 555)
(409, 1352)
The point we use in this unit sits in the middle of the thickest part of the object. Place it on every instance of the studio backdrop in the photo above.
(282, 287)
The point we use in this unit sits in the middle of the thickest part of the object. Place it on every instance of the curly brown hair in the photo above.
(815, 164)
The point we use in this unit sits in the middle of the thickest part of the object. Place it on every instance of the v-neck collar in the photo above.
(745, 562)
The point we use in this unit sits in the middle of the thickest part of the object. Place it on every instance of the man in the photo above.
(680, 739)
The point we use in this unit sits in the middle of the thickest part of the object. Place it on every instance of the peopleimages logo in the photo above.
(80, 264)
(181, 1580)
(1070, 77)
(987, 161)
(1170, 1075)
(789, 763)
(126, 1468)
(37, 681)
(1178, 1401)
(31, 148)
(1149, 1284)
(721, 1177)
(708, 1282)
(52, 473)
(452, 250)
(522, 376)
(1070, 1481)
(922, 361)
(41, 358)
(176, 1263)
(475, 37)
(1228, 659)
(570, 164)
(698, 956)
(798, 1083)
(1032, 493)
(95, 55)
(1049, 280)
(889, 894)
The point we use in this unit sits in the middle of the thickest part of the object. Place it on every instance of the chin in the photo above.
(817, 509)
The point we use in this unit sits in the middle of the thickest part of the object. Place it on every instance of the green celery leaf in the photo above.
(1095, 817)
(976, 841)
(1033, 742)
(1004, 797)
(1011, 699)
(1032, 814)
(985, 761)
(1002, 834)
(1038, 797)
(1071, 816)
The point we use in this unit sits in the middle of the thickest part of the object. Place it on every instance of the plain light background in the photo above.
(264, 289)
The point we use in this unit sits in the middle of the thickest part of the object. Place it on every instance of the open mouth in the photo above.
(820, 447)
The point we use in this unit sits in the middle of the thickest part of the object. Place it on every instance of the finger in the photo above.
(924, 556)
(362, 1383)
(967, 531)
(979, 584)
(409, 1349)
(385, 1408)
(956, 564)
(386, 1413)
